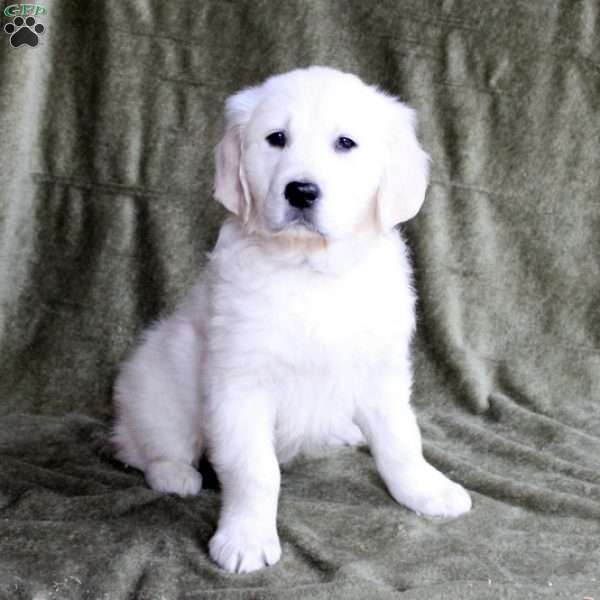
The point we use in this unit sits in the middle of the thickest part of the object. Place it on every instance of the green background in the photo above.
(107, 131)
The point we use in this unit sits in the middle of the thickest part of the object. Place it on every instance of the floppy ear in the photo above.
(231, 189)
(406, 170)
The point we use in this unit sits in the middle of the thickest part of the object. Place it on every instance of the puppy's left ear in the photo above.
(231, 188)
(404, 183)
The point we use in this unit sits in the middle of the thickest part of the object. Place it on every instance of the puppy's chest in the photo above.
(316, 318)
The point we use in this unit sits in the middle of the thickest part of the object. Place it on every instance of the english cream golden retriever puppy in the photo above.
(296, 335)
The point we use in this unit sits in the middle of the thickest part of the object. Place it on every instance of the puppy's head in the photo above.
(316, 152)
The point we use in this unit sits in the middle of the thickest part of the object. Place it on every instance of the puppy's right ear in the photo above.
(231, 188)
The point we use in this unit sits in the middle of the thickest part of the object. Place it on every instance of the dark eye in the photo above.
(343, 144)
(277, 139)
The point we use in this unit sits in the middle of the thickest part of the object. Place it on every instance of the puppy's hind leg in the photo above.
(158, 403)
(346, 434)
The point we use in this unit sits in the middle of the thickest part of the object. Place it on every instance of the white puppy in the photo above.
(297, 334)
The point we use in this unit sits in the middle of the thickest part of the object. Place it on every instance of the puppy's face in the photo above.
(312, 158)
(316, 152)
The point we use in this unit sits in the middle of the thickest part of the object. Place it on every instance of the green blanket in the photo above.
(107, 129)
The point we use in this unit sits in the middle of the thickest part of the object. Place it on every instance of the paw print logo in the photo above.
(24, 31)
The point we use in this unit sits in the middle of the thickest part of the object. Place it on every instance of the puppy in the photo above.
(296, 335)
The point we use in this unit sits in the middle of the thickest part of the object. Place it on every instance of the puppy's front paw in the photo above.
(171, 477)
(448, 500)
(425, 490)
(244, 549)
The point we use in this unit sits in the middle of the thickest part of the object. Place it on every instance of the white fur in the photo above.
(295, 336)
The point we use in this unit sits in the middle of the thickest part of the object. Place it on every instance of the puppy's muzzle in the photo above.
(302, 194)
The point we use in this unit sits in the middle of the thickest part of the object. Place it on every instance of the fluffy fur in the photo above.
(296, 335)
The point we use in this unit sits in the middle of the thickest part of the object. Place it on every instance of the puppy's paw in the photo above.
(349, 435)
(448, 500)
(244, 549)
(426, 491)
(171, 477)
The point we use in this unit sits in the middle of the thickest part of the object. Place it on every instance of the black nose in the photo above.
(301, 194)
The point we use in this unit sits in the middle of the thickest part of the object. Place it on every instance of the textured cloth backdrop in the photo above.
(107, 130)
